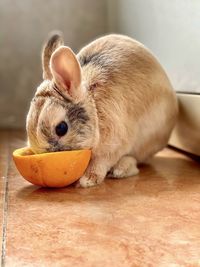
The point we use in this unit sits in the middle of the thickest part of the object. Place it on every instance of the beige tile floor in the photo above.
(152, 219)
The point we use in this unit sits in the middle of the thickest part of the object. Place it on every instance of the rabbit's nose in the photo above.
(54, 145)
(53, 142)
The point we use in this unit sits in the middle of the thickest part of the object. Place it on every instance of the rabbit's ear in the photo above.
(66, 71)
(55, 40)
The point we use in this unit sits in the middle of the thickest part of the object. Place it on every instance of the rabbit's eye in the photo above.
(61, 128)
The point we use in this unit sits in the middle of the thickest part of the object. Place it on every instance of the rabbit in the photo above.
(113, 97)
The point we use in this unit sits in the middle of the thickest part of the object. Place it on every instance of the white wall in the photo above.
(171, 29)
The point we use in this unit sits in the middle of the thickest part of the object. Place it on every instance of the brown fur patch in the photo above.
(77, 114)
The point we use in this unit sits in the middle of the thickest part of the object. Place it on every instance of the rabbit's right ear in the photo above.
(55, 40)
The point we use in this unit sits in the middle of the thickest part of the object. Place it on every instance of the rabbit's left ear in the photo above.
(55, 40)
(66, 71)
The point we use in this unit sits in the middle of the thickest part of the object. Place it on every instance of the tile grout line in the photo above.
(5, 210)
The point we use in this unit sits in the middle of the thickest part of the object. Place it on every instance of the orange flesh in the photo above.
(56, 169)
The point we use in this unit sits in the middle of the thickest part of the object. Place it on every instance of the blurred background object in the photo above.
(186, 134)
(169, 28)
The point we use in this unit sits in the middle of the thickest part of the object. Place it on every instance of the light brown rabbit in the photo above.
(112, 97)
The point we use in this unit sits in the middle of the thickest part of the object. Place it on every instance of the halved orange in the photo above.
(55, 169)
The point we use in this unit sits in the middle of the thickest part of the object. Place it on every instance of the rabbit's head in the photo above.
(62, 115)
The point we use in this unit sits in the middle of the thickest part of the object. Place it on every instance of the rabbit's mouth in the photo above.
(59, 148)
(55, 146)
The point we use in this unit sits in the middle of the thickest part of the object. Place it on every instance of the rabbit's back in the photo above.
(131, 91)
(116, 58)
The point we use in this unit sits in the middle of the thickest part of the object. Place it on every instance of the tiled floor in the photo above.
(152, 219)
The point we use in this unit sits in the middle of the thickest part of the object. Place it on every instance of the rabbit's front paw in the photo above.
(90, 180)
(125, 167)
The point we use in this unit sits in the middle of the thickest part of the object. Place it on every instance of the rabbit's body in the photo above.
(129, 103)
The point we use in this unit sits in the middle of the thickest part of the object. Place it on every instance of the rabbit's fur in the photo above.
(115, 98)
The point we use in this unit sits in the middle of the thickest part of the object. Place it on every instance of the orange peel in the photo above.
(55, 169)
